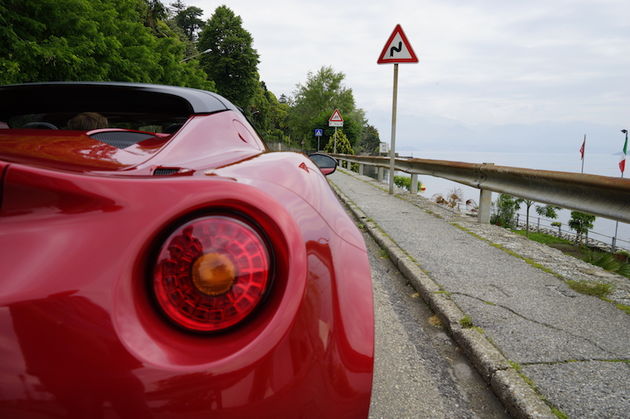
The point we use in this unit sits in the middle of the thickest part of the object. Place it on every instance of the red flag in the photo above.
(583, 148)
(622, 165)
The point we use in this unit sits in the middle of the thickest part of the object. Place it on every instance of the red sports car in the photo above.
(156, 260)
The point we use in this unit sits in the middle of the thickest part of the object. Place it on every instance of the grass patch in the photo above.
(597, 289)
(543, 238)
(383, 254)
(559, 413)
(623, 308)
(617, 263)
(517, 367)
(466, 322)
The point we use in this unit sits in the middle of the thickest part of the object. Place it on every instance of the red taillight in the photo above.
(211, 273)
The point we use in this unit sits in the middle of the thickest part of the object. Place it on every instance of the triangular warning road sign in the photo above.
(336, 116)
(397, 49)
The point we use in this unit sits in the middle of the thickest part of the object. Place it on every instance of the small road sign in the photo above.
(397, 49)
(319, 132)
(335, 119)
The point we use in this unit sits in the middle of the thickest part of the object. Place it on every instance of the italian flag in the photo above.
(622, 163)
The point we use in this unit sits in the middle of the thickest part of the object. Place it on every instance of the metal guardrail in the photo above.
(604, 196)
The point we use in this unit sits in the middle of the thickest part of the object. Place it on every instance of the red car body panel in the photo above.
(80, 335)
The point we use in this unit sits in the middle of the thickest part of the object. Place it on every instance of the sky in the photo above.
(492, 75)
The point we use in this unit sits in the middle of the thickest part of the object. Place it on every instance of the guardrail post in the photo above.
(380, 174)
(414, 184)
(361, 169)
(485, 203)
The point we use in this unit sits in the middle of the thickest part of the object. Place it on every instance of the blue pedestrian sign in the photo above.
(319, 132)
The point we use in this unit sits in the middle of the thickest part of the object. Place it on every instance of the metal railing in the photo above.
(599, 195)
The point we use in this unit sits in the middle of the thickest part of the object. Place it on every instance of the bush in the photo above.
(506, 207)
(343, 144)
(403, 182)
(607, 261)
(581, 223)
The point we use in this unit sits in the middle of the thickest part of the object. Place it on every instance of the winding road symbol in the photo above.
(397, 49)
(392, 49)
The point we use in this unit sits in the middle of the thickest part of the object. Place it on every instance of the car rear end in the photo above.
(236, 291)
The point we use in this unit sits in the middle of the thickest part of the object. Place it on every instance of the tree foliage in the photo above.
(548, 211)
(506, 207)
(370, 141)
(144, 41)
(340, 143)
(269, 115)
(189, 20)
(581, 223)
(315, 101)
(99, 40)
(232, 61)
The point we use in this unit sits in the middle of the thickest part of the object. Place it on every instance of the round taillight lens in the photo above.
(211, 273)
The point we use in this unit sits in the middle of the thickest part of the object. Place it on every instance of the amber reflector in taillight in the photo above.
(211, 273)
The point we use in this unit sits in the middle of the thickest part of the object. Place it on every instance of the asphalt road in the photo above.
(419, 371)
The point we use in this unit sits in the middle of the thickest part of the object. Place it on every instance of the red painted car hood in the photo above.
(72, 150)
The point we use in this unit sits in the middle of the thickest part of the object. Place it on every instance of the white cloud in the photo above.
(482, 63)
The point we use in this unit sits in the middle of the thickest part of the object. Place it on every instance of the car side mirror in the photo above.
(327, 165)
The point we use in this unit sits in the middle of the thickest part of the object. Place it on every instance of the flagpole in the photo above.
(614, 243)
(625, 150)
(583, 152)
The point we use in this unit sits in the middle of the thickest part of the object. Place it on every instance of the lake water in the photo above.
(597, 164)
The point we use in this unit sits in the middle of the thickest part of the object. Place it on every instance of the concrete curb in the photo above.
(517, 396)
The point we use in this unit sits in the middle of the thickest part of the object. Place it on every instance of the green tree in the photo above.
(342, 144)
(269, 115)
(316, 100)
(56, 40)
(370, 141)
(189, 20)
(581, 223)
(548, 211)
(232, 62)
(506, 208)
(155, 12)
(177, 6)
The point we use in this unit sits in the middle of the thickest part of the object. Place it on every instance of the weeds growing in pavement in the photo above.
(598, 289)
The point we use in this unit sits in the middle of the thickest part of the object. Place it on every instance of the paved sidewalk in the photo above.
(538, 343)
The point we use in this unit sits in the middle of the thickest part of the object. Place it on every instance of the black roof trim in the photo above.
(103, 96)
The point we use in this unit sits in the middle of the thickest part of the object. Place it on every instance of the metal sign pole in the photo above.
(392, 150)
(335, 141)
